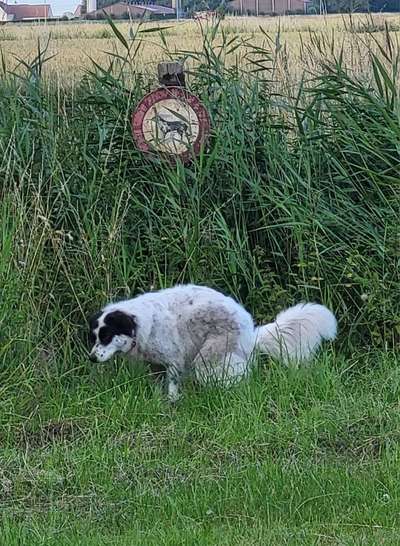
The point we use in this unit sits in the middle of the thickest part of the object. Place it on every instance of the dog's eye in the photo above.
(106, 335)
(105, 338)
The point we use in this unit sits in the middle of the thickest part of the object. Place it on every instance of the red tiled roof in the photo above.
(28, 11)
(126, 6)
(155, 8)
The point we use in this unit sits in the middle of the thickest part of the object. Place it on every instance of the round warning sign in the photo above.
(172, 122)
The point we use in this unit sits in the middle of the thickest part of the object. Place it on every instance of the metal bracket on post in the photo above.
(171, 74)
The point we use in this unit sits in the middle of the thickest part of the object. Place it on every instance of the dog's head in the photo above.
(111, 332)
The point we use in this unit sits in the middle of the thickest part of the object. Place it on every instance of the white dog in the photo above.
(195, 329)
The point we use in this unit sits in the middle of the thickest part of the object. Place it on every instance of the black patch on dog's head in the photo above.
(122, 322)
(116, 323)
(93, 323)
(94, 320)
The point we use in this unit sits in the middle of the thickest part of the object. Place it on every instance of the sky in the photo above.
(58, 7)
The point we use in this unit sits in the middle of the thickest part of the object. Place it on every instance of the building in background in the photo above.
(24, 12)
(130, 10)
(124, 9)
(91, 6)
(266, 7)
(68, 15)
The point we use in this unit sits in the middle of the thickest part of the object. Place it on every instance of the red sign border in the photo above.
(164, 93)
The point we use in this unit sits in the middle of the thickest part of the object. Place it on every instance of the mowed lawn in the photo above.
(95, 456)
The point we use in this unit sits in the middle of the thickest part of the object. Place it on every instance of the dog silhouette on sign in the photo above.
(168, 127)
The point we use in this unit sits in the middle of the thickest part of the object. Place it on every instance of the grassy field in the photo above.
(295, 197)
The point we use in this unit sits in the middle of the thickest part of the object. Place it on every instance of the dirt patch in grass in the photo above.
(353, 448)
(50, 433)
(364, 439)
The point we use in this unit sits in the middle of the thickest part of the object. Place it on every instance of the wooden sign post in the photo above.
(171, 74)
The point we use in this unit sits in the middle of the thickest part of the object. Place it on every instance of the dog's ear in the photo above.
(122, 322)
(94, 320)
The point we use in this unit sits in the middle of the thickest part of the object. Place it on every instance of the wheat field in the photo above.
(74, 45)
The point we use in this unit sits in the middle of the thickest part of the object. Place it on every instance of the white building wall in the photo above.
(4, 16)
(91, 6)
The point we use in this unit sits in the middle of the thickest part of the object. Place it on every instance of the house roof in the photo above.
(128, 5)
(27, 11)
(154, 8)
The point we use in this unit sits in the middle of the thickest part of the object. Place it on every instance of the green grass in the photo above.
(96, 456)
(295, 197)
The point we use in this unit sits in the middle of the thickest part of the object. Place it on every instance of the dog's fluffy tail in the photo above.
(297, 332)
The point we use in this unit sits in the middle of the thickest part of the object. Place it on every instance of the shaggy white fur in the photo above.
(199, 330)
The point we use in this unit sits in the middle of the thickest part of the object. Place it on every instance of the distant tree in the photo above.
(191, 6)
(347, 6)
(353, 6)
(385, 5)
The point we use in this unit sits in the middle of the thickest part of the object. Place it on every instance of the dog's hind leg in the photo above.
(222, 370)
(174, 379)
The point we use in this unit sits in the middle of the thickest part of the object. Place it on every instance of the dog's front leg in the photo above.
(174, 380)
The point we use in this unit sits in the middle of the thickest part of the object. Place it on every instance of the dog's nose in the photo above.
(92, 358)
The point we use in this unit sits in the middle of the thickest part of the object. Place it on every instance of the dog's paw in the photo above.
(173, 398)
(173, 392)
